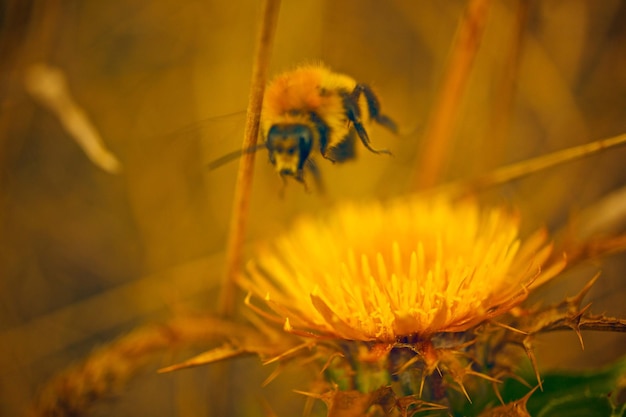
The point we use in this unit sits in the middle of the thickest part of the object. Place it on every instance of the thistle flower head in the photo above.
(411, 267)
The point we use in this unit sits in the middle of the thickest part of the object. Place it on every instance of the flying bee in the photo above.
(313, 110)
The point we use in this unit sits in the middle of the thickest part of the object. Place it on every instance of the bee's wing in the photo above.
(231, 156)
(225, 124)
(214, 132)
(205, 138)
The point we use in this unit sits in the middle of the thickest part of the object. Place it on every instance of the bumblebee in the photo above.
(312, 109)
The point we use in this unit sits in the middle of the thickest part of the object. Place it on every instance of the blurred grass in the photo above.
(86, 256)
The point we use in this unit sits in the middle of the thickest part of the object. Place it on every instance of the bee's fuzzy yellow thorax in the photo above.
(305, 89)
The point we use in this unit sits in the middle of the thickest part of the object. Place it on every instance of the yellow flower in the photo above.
(411, 267)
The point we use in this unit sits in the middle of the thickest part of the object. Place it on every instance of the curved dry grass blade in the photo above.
(54, 335)
(48, 86)
(595, 248)
(439, 129)
(507, 86)
(241, 201)
(226, 351)
(75, 391)
(522, 169)
(603, 217)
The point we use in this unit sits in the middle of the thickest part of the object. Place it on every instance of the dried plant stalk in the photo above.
(440, 127)
(503, 104)
(75, 391)
(48, 86)
(519, 170)
(243, 187)
(602, 217)
(598, 323)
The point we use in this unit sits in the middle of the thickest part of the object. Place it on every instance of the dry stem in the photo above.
(522, 169)
(48, 86)
(503, 105)
(75, 391)
(243, 187)
(438, 136)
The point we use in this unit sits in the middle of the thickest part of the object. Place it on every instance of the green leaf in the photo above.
(577, 406)
(584, 393)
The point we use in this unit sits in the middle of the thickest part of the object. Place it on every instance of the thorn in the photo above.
(576, 324)
(330, 359)
(272, 376)
(463, 390)
(309, 394)
(257, 310)
(507, 327)
(577, 299)
(526, 397)
(288, 352)
(575, 302)
(498, 394)
(406, 364)
(483, 376)
(529, 352)
(422, 384)
(520, 380)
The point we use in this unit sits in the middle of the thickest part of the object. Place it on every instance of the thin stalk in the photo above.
(527, 167)
(503, 103)
(440, 127)
(109, 368)
(243, 187)
(594, 323)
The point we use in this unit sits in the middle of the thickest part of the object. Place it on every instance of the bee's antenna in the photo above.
(231, 156)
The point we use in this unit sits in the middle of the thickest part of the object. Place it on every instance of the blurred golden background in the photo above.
(87, 255)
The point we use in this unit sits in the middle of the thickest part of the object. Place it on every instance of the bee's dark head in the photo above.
(289, 146)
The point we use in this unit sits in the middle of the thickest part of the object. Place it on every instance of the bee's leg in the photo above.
(283, 187)
(373, 106)
(300, 178)
(351, 105)
(344, 150)
(317, 176)
(322, 129)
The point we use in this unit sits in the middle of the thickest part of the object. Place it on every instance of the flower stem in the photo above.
(438, 135)
(243, 187)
